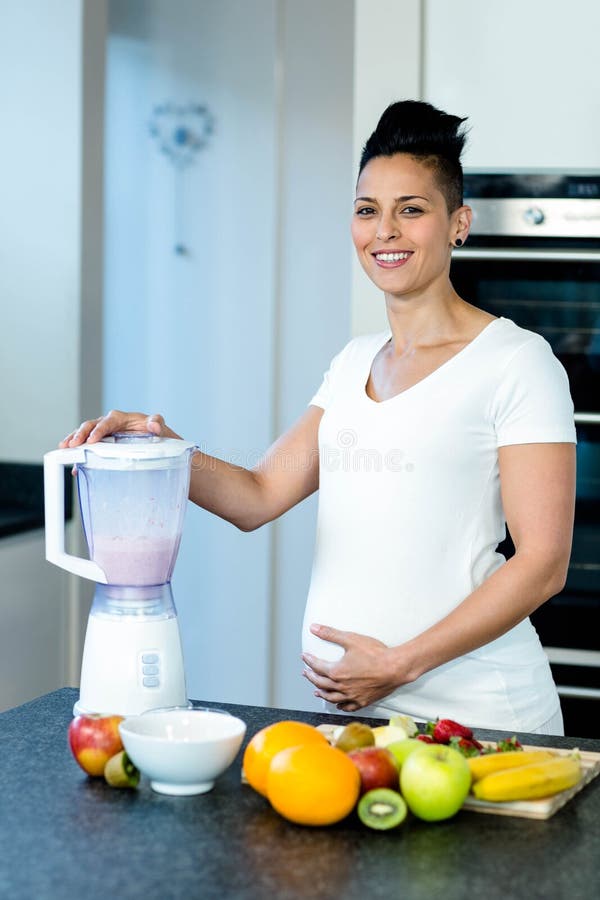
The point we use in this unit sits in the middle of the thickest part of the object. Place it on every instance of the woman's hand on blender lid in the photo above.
(95, 429)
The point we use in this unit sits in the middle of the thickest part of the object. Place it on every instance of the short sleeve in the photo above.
(533, 403)
(323, 396)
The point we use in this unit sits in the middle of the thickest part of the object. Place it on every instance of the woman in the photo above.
(423, 441)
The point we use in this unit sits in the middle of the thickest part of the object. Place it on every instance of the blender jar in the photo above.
(133, 508)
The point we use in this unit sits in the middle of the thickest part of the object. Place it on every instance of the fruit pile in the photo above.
(317, 776)
(96, 744)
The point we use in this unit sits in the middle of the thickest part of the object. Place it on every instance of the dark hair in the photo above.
(426, 133)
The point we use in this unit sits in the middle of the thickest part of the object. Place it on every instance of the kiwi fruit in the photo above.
(382, 808)
(120, 772)
(355, 736)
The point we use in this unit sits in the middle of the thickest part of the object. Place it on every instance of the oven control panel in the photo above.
(534, 204)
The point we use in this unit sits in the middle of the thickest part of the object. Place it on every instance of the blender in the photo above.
(133, 491)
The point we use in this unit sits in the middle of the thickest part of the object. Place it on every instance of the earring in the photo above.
(458, 242)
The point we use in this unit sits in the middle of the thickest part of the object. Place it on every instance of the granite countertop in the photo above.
(64, 835)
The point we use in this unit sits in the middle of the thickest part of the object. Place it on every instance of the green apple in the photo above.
(401, 750)
(435, 782)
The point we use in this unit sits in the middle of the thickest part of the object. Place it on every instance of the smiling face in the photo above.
(401, 227)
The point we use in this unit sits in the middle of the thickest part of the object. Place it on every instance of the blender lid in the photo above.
(138, 446)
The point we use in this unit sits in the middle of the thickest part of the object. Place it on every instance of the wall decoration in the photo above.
(180, 132)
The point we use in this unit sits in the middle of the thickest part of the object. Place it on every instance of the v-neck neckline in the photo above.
(426, 378)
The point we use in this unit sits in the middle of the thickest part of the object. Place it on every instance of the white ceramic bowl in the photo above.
(182, 751)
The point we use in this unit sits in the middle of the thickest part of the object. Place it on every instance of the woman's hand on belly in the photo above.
(367, 671)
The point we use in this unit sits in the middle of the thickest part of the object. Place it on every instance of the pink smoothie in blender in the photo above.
(136, 560)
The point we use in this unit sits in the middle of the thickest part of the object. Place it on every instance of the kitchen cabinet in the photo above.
(39, 648)
(64, 835)
(34, 615)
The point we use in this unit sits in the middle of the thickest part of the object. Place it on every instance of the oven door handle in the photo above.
(566, 656)
(581, 693)
(587, 418)
(534, 253)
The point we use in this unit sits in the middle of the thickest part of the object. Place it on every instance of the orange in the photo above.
(313, 784)
(269, 741)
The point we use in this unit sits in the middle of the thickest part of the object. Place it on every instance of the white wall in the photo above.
(526, 75)
(51, 92)
(46, 217)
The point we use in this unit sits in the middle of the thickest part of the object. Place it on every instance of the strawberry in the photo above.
(444, 729)
(465, 746)
(504, 746)
(508, 744)
(426, 738)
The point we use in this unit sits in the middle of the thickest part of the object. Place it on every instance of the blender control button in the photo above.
(150, 670)
(151, 681)
(150, 658)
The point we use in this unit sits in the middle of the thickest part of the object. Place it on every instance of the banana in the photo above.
(481, 766)
(528, 782)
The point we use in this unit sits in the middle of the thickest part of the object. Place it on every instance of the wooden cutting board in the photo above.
(527, 809)
(545, 806)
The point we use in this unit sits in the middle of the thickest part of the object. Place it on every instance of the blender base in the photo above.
(131, 663)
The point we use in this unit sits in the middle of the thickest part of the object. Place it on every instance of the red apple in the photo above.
(94, 740)
(377, 768)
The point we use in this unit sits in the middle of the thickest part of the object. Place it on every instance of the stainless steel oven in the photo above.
(533, 256)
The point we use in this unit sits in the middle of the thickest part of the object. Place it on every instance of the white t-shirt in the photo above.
(410, 515)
